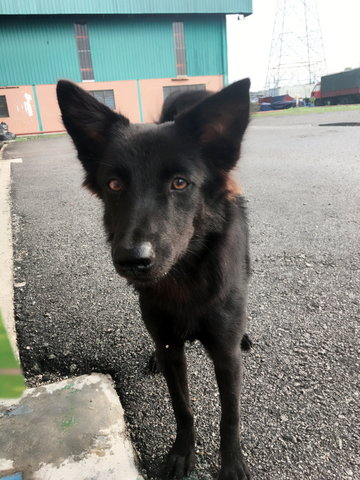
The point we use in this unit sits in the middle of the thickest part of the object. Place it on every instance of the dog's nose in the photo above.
(137, 257)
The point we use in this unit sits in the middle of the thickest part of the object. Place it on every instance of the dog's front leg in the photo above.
(227, 362)
(181, 459)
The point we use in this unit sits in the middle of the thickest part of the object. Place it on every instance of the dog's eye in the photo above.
(179, 184)
(115, 185)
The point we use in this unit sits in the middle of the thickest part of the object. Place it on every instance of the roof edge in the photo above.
(125, 7)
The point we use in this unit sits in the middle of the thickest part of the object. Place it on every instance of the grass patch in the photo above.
(44, 136)
(307, 110)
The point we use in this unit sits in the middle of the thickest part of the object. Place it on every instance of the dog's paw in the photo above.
(153, 364)
(236, 471)
(179, 466)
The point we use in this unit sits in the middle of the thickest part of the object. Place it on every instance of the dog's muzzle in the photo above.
(135, 260)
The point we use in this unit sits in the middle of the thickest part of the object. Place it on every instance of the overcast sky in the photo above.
(249, 40)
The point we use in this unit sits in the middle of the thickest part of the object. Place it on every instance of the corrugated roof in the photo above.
(63, 7)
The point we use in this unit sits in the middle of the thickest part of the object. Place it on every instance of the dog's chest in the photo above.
(176, 309)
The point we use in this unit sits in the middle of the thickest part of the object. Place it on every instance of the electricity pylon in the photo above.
(297, 54)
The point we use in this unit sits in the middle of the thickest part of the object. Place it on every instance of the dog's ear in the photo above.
(218, 124)
(87, 121)
(90, 124)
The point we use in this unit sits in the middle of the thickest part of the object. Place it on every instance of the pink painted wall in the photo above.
(22, 110)
(49, 110)
(125, 94)
(153, 97)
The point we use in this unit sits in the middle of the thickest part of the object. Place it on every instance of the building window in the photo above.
(83, 48)
(179, 44)
(182, 88)
(4, 112)
(104, 96)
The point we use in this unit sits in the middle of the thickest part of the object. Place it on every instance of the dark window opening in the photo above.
(4, 112)
(104, 96)
(179, 44)
(182, 88)
(84, 53)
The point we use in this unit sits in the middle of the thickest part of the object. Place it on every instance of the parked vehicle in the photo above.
(338, 88)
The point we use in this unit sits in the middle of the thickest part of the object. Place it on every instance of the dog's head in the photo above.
(158, 183)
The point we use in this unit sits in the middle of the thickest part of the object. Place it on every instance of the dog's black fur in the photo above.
(178, 233)
(178, 102)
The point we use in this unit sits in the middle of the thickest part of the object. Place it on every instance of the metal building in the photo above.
(129, 53)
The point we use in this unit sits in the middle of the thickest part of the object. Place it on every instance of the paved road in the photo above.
(300, 401)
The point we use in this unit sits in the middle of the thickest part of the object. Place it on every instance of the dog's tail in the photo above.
(177, 102)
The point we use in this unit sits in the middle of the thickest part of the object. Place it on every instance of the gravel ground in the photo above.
(300, 399)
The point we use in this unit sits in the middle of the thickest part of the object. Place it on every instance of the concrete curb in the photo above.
(3, 145)
(6, 251)
(67, 430)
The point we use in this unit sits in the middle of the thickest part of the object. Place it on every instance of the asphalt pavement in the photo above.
(300, 402)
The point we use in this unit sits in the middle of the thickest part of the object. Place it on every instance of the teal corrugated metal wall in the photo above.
(42, 50)
(203, 40)
(46, 7)
(130, 48)
(37, 51)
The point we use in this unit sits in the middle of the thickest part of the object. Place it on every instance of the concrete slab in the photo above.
(67, 430)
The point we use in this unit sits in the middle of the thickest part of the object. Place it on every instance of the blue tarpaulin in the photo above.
(279, 102)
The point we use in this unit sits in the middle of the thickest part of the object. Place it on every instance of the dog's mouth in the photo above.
(140, 277)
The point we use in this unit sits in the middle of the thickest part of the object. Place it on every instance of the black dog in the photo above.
(178, 233)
